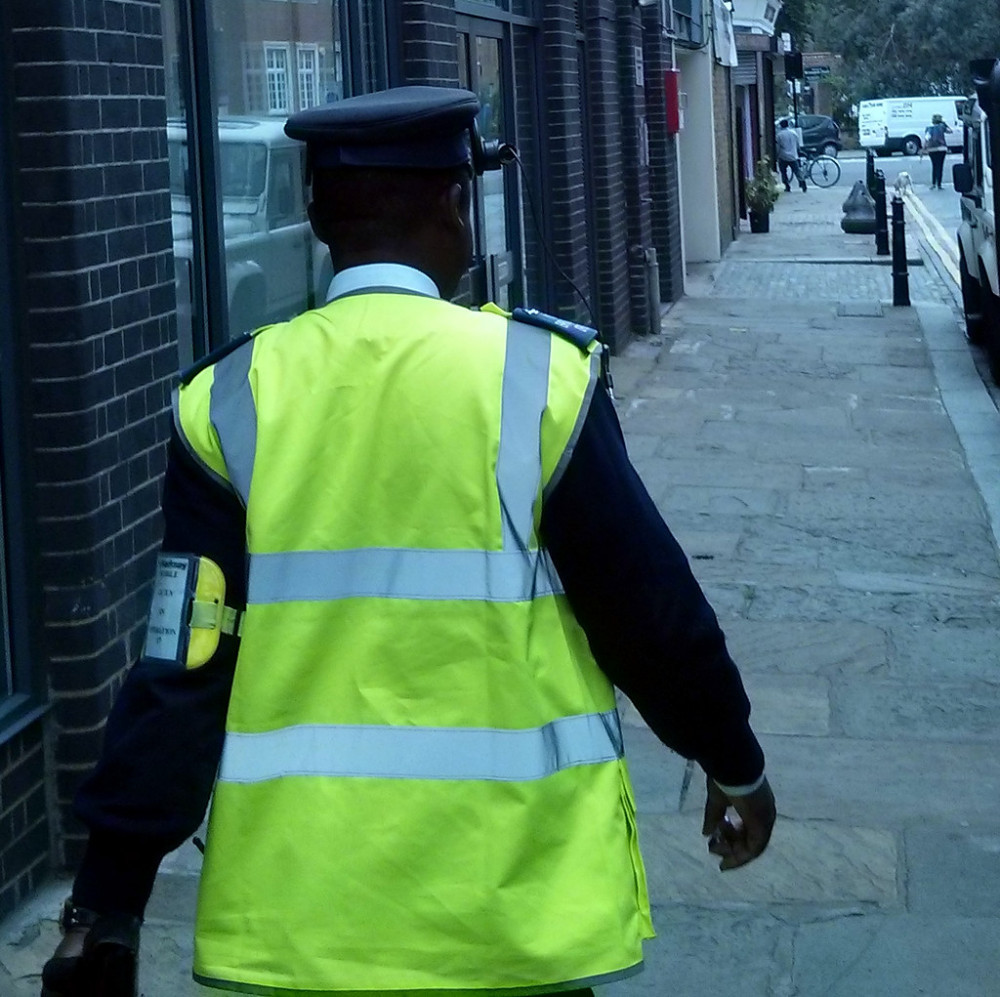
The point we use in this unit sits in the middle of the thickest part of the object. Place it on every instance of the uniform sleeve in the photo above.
(650, 627)
(151, 786)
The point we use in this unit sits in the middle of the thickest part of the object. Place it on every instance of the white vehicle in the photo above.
(275, 266)
(897, 124)
(977, 248)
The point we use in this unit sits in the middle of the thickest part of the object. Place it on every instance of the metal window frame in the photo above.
(302, 48)
(489, 12)
(285, 48)
(25, 700)
(210, 304)
(353, 16)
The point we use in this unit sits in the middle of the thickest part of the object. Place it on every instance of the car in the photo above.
(820, 133)
(275, 266)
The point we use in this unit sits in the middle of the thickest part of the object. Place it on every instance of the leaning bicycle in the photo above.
(824, 171)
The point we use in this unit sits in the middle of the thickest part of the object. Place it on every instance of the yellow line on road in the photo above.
(937, 236)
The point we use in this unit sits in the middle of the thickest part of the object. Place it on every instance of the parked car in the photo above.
(974, 182)
(820, 133)
(275, 267)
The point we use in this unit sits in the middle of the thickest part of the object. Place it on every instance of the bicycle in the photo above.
(824, 171)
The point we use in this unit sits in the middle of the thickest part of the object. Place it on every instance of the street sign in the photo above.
(816, 72)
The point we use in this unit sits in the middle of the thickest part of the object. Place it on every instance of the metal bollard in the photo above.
(881, 216)
(870, 171)
(900, 277)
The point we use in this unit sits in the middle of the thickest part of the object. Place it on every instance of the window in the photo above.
(244, 252)
(688, 21)
(309, 78)
(276, 67)
(254, 90)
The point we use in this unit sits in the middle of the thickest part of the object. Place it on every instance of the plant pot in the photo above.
(760, 221)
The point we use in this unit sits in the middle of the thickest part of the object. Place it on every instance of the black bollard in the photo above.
(881, 216)
(870, 171)
(900, 277)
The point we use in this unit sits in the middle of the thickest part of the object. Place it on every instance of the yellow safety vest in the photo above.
(423, 784)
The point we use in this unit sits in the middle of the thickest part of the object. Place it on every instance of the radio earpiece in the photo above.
(491, 155)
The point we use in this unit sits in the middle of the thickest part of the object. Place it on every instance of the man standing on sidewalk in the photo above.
(405, 560)
(789, 151)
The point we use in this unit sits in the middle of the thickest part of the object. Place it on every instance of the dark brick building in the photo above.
(127, 158)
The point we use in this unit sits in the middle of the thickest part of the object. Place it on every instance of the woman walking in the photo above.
(937, 148)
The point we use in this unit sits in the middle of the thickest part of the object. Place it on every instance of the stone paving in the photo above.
(831, 469)
(808, 459)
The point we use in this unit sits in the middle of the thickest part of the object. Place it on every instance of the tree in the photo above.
(796, 17)
(898, 48)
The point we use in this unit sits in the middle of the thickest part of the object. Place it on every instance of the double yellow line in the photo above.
(941, 241)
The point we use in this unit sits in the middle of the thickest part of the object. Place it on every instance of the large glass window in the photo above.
(244, 251)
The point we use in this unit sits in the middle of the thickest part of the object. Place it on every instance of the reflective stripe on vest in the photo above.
(234, 417)
(399, 573)
(393, 752)
(519, 460)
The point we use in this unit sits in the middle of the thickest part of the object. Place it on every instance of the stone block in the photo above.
(953, 868)
(697, 952)
(807, 862)
(798, 647)
(926, 711)
(898, 956)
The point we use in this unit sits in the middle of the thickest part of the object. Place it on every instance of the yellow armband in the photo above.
(188, 614)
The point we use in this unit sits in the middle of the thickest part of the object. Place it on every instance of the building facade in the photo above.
(153, 208)
(754, 83)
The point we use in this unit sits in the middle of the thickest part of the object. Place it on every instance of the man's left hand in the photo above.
(739, 839)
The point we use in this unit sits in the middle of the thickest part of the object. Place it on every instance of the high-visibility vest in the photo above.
(423, 784)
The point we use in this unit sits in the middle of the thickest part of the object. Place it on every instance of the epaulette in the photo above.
(188, 375)
(580, 335)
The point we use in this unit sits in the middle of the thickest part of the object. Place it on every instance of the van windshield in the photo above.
(243, 169)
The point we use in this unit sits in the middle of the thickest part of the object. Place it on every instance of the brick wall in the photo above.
(664, 187)
(635, 168)
(725, 144)
(562, 124)
(607, 165)
(91, 150)
(430, 45)
(24, 825)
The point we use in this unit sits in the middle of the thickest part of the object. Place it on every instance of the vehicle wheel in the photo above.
(911, 145)
(991, 325)
(824, 171)
(246, 312)
(830, 150)
(971, 304)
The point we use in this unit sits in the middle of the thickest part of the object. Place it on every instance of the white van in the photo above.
(897, 124)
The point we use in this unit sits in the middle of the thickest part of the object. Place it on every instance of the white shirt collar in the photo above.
(381, 275)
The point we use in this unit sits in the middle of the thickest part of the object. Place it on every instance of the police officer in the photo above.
(405, 562)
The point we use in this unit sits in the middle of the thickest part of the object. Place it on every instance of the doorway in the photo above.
(484, 66)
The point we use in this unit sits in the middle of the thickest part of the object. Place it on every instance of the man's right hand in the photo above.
(97, 957)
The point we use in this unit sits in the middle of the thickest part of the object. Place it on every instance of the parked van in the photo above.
(897, 124)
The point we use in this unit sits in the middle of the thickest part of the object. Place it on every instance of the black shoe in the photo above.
(802, 184)
(106, 966)
(787, 188)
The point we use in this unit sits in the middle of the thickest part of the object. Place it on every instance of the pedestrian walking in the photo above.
(405, 562)
(937, 148)
(789, 149)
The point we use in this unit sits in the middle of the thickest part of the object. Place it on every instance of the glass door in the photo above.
(484, 67)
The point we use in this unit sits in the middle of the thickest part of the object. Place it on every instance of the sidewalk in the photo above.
(830, 464)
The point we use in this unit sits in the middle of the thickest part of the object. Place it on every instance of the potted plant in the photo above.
(761, 191)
